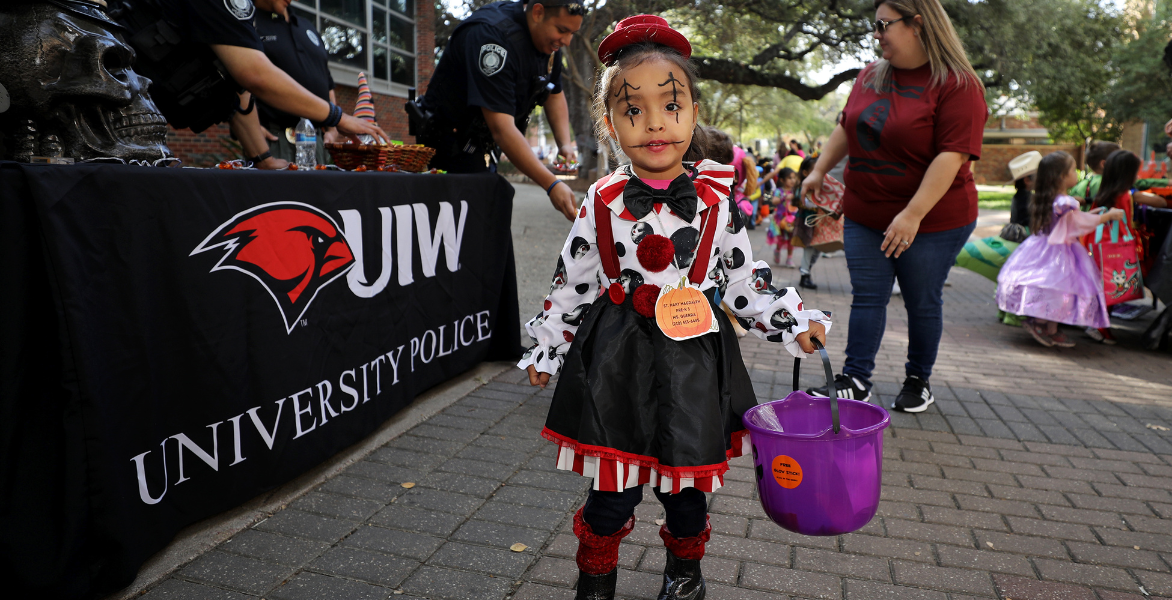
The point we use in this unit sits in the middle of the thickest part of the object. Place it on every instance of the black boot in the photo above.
(807, 283)
(682, 579)
(596, 587)
(1153, 338)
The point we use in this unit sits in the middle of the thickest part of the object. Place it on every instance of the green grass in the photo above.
(994, 200)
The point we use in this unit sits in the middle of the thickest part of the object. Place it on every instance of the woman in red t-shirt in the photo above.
(914, 121)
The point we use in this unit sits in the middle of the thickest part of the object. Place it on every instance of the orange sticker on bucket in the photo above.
(787, 472)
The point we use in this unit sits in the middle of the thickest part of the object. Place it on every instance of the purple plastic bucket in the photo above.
(812, 480)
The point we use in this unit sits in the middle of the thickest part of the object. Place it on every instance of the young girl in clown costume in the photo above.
(652, 384)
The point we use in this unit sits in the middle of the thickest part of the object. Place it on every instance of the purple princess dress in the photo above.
(1052, 277)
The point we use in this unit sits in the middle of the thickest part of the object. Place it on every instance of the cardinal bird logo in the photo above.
(292, 249)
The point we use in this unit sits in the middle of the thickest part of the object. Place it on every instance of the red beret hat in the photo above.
(642, 28)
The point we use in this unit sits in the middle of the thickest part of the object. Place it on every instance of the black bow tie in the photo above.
(680, 197)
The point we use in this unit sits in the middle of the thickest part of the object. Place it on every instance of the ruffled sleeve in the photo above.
(575, 285)
(771, 314)
(1069, 222)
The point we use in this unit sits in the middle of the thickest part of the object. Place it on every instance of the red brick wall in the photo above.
(993, 168)
(215, 144)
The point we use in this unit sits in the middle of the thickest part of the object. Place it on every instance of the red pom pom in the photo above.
(645, 297)
(569, 336)
(617, 295)
(548, 305)
(655, 252)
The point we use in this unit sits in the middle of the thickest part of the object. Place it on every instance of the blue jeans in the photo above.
(921, 271)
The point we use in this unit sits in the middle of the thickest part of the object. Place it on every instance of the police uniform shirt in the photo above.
(296, 48)
(222, 22)
(483, 68)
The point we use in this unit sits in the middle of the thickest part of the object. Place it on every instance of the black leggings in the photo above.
(607, 512)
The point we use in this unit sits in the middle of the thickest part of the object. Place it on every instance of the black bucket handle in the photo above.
(830, 390)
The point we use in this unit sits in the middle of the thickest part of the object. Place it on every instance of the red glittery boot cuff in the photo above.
(598, 555)
(689, 548)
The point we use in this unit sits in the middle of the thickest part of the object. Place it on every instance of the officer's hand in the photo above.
(351, 127)
(562, 198)
(273, 163)
(569, 152)
(269, 137)
(331, 135)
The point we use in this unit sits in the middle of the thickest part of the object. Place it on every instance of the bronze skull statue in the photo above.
(68, 87)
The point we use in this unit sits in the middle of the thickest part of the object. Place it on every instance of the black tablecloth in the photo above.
(174, 342)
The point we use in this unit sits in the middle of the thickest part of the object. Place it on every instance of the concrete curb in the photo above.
(196, 539)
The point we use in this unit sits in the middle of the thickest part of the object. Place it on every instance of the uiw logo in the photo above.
(294, 249)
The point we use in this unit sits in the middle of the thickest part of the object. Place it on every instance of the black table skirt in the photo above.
(174, 342)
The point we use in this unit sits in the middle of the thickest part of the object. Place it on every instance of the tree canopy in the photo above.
(1084, 65)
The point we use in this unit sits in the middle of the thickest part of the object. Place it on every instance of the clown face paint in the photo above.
(652, 115)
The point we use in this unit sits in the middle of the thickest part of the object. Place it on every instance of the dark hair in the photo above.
(554, 8)
(1020, 184)
(1047, 187)
(631, 56)
(784, 173)
(718, 145)
(807, 166)
(1098, 152)
(1118, 177)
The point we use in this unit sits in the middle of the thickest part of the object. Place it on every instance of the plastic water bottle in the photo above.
(306, 139)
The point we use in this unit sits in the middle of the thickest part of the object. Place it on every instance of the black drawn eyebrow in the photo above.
(626, 89)
(675, 93)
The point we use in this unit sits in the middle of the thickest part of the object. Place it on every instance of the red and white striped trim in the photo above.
(713, 183)
(614, 471)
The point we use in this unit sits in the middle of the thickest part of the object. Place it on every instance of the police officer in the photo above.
(500, 63)
(166, 33)
(294, 45)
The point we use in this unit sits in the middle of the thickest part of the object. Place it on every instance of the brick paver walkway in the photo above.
(1039, 474)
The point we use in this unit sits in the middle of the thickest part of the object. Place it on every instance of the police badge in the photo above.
(241, 9)
(492, 59)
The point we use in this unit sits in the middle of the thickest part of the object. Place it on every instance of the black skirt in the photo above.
(633, 406)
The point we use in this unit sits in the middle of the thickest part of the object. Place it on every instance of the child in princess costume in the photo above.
(652, 384)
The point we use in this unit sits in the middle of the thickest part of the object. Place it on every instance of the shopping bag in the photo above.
(1118, 258)
(827, 231)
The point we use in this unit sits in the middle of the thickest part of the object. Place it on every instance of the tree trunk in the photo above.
(578, 80)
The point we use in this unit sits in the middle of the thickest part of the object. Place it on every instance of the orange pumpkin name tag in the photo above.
(683, 312)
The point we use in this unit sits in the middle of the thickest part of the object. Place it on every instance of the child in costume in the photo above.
(1050, 278)
(647, 400)
(785, 209)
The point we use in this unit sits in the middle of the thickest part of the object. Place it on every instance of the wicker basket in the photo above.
(411, 157)
(349, 156)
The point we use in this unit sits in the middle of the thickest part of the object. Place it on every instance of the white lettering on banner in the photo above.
(324, 391)
(403, 247)
(448, 232)
(236, 439)
(353, 393)
(297, 412)
(376, 364)
(428, 346)
(393, 356)
(144, 493)
(356, 278)
(212, 460)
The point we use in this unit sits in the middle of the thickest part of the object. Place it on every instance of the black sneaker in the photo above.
(915, 396)
(807, 283)
(845, 386)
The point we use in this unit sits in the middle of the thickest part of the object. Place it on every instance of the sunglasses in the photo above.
(881, 25)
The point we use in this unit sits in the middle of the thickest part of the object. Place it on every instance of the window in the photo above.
(375, 36)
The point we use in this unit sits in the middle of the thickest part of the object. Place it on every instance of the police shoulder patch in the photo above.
(492, 59)
(241, 9)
